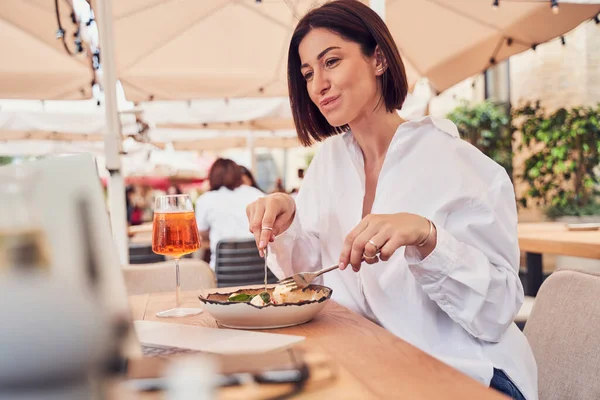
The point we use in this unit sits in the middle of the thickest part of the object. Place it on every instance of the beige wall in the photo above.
(560, 76)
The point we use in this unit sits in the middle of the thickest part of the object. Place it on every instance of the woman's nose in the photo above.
(320, 84)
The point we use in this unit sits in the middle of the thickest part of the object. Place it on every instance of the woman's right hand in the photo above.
(275, 211)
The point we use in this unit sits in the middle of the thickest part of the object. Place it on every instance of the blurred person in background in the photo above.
(248, 178)
(294, 191)
(278, 186)
(174, 189)
(221, 212)
(132, 203)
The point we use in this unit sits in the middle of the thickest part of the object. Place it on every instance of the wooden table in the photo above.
(536, 239)
(371, 362)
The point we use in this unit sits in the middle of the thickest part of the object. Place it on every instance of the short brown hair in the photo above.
(224, 172)
(357, 23)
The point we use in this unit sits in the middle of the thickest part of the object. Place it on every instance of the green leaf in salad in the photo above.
(266, 297)
(240, 297)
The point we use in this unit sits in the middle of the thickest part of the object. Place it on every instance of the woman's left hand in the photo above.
(384, 234)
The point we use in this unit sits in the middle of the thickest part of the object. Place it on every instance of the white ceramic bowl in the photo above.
(305, 306)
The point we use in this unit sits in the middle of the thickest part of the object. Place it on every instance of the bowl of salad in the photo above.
(253, 307)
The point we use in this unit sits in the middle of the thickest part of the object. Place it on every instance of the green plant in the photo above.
(563, 147)
(5, 160)
(486, 126)
(308, 159)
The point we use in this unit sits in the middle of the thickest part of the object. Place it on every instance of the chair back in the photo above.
(238, 263)
(564, 332)
(160, 277)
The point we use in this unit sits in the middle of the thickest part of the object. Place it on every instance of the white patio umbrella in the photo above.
(236, 48)
(35, 64)
(187, 49)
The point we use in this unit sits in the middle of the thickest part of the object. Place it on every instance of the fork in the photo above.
(303, 279)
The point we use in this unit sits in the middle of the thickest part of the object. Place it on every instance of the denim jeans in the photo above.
(504, 385)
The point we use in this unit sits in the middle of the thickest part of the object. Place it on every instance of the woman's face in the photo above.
(340, 79)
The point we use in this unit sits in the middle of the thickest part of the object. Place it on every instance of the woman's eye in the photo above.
(331, 62)
(308, 76)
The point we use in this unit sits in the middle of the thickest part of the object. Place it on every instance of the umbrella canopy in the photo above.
(190, 49)
(225, 48)
(35, 65)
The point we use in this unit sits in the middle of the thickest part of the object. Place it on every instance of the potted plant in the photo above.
(486, 126)
(562, 167)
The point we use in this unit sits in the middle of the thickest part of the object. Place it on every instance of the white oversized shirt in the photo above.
(223, 213)
(457, 304)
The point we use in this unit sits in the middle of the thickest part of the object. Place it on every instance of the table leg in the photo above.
(535, 273)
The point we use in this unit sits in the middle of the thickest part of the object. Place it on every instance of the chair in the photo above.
(529, 301)
(238, 263)
(160, 277)
(564, 332)
(141, 253)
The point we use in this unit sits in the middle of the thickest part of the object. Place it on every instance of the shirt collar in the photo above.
(444, 125)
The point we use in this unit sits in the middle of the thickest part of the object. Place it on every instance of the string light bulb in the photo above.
(563, 41)
(495, 5)
(554, 6)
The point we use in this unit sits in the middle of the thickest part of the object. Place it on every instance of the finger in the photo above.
(358, 246)
(393, 244)
(256, 222)
(282, 219)
(373, 260)
(347, 247)
(250, 214)
(268, 221)
(372, 250)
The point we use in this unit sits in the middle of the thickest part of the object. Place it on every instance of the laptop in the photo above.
(69, 199)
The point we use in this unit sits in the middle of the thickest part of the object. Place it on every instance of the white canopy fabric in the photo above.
(257, 114)
(140, 159)
(88, 124)
(34, 63)
(209, 124)
(238, 48)
(188, 49)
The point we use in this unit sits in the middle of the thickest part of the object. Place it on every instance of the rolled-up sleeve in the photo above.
(472, 274)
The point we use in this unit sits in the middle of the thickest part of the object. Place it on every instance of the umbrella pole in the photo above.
(112, 137)
(251, 150)
(285, 167)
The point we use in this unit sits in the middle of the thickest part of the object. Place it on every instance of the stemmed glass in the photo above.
(175, 234)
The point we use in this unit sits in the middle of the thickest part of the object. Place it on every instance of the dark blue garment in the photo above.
(504, 385)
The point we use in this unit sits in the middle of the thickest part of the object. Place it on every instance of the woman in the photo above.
(132, 203)
(220, 213)
(248, 178)
(174, 190)
(427, 222)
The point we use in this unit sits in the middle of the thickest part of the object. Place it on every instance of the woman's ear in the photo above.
(380, 61)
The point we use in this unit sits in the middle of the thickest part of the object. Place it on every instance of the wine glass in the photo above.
(175, 234)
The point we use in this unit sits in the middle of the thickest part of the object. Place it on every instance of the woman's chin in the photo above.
(336, 119)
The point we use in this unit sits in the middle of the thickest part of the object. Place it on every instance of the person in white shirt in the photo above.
(426, 221)
(220, 212)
